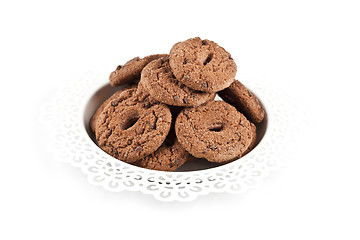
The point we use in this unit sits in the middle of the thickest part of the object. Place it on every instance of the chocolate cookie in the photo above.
(215, 131)
(122, 94)
(174, 47)
(253, 140)
(246, 102)
(169, 157)
(131, 70)
(162, 85)
(251, 146)
(132, 128)
(202, 65)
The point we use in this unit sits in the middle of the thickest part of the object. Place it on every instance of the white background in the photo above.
(310, 45)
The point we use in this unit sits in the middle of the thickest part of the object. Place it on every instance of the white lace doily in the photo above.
(69, 141)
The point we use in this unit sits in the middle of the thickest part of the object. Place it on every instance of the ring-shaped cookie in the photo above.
(215, 131)
(202, 65)
(131, 70)
(162, 85)
(133, 128)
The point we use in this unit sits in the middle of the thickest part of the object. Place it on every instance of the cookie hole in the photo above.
(132, 119)
(217, 127)
(208, 59)
(131, 123)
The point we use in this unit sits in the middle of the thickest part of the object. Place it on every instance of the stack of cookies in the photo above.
(166, 114)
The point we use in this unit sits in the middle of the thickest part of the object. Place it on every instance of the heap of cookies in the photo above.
(166, 115)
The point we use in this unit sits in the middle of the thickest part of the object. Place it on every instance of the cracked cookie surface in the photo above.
(131, 70)
(202, 65)
(134, 127)
(162, 85)
(215, 131)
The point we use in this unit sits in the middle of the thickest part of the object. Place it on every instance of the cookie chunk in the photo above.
(162, 85)
(202, 65)
(246, 102)
(131, 70)
(251, 146)
(169, 157)
(215, 131)
(121, 94)
(253, 140)
(132, 128)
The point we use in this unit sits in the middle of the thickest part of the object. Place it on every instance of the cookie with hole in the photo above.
(122, 94)
(202, 65)
(162, 85)
(131, 70)
(215, 131)
(133, 128)
(244, 100)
